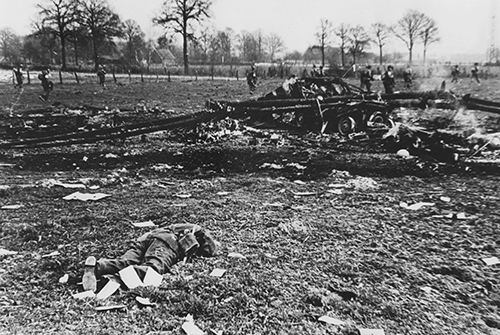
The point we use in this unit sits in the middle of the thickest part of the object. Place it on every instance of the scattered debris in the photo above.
(217, 272)
(152, 278)
(297, 166)
(108, 290)
(53, 182)
(415, 206)
(190, 328)
(130, 277)
(52, 254)
(445, 199)
(110, 155)
(236, 255)
(336, 191)
(303, 194)
(362, 183)
(145, 224)
(110, 308)
(12, 206)
(183, 196)
(299, 182)
(272, 166)
(145, 302)
(5, 252)
(64, 279)
(331, 321)
(84, 295)
(491, 261)
(223, 193)
(86, 196)
(454, 216)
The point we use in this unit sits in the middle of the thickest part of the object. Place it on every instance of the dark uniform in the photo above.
(18, 74)
(46, 84)
(408, 77)
(475, 73)
(388, 80)
(252, 79)
(454, 74)
(159, 249)
(366, 78)
(101, 74)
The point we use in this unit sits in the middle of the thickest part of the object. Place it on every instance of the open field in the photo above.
(312, 248)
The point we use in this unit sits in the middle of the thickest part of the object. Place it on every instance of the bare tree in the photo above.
(58, 16)
(381, 33)
(323, 35)
(409, 28)
(10, 45)
(274, 44)
(178, 15)
(429, 35)
(358, 40)
(101, 24)
(134, 37)
(342, 33)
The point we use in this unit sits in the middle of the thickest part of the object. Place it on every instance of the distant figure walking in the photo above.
(101, 74)
(408, 77)
(18, 74)
(252, 79)
(388, 80)
(47, 85)
(366, 78)
(475, 73)
(455, 72)
(314, 72)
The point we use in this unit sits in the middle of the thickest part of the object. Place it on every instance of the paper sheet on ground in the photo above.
(86, 196)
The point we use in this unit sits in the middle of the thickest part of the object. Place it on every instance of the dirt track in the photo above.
(357, 255)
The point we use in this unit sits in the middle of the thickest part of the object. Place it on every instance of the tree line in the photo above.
(76, 32)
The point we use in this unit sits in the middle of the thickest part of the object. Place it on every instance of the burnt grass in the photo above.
(357, 256)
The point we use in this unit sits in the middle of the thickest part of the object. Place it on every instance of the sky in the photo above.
(465, 25)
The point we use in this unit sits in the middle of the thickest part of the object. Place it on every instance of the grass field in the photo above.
(311, 248)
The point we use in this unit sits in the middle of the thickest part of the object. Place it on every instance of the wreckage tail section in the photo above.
(481, 105)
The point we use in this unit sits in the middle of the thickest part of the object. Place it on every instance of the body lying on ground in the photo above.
(159, 249)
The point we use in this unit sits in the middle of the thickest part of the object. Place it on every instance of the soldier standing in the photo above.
(18, 74)
(101, 74)
(252, 79)
(454, 74)
(408, 76)
(47, 85)
(366, 78)
(475, 72)
(388, 80)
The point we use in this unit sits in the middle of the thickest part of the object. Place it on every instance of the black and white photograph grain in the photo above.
(250, 167)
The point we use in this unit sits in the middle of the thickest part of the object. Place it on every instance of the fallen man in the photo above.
(159, 249)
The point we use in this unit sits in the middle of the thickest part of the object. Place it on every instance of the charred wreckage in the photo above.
(322, 104)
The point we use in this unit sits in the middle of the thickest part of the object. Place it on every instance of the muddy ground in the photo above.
(322, 230)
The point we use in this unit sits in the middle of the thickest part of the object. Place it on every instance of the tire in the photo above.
(346, 125)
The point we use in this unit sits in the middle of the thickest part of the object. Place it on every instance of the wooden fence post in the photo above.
(169, 76)
(114, 75)
(60, 77)
(76, 78)
(28, 75)
(142, 76)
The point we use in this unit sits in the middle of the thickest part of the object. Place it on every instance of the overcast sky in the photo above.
(465, 25)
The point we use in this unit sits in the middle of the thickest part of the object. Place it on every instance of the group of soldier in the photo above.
(47, 85)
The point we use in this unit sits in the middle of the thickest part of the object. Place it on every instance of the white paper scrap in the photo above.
(12, 206)
(86, 196)
(130, 277)
(491, 261)
(5, 252)
(107, 291)
(152, 278)
(331, 321)
(84, 295)
(145, 224)
(217, 272)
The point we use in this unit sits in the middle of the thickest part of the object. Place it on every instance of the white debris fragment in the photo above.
(331, 321)
(64, 279)
(145, 224)
(217, 272)
(12, 207)
(415, 206)
(491, 261)
(86, 196)
(5, 252)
